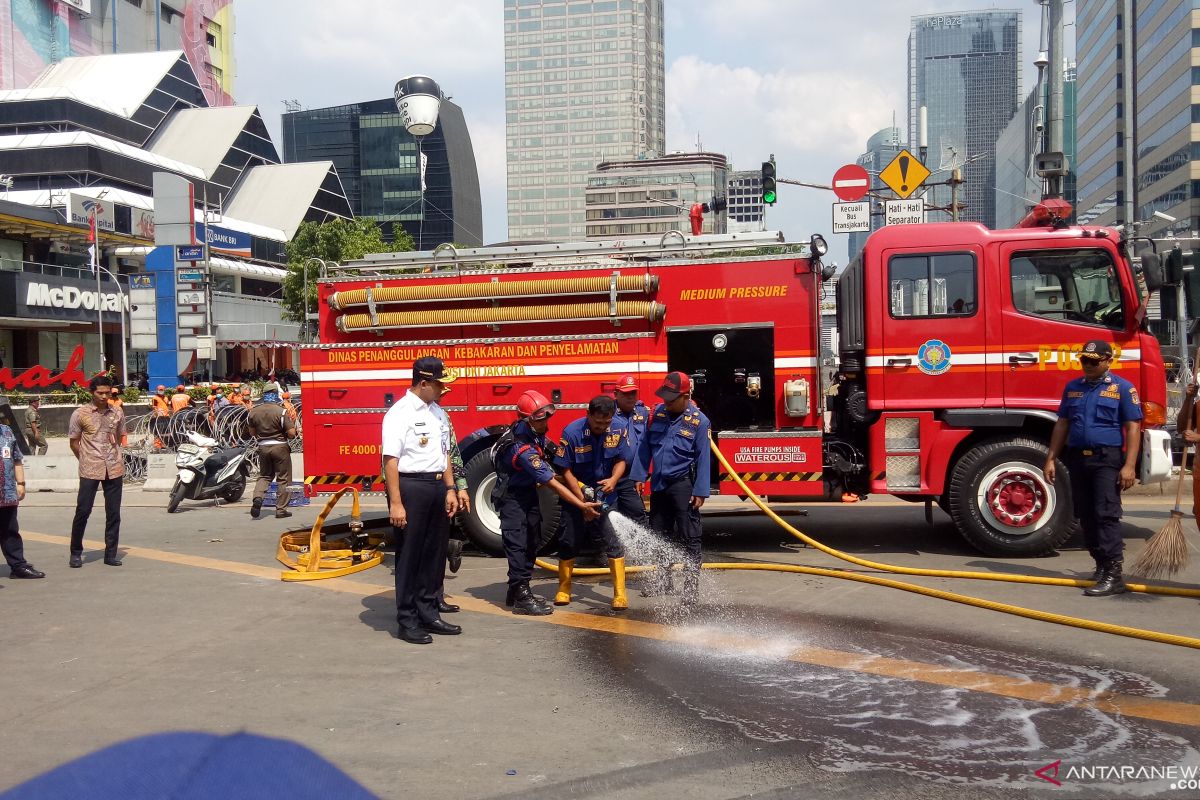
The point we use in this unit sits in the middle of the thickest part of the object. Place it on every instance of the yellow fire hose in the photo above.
(1059, 619)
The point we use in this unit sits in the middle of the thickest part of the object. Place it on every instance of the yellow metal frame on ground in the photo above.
(312, 562)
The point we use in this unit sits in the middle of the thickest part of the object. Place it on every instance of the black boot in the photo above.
(1110, 582)
(525, 602)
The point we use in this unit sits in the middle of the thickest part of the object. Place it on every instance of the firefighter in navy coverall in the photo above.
(522, 465)
(677, 450)
(633, 415)
(593, 452)
(1097, 412)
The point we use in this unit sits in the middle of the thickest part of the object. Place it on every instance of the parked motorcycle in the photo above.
(207, 471)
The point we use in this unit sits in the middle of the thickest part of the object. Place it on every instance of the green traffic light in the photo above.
(769, 197)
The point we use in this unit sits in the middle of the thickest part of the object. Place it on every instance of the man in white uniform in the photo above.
(421, 498)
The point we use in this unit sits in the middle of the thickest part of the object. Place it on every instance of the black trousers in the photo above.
(421, 555)
(578, 532)
(673, 518)
(629, 502)
(112, 513)
(1096, 498)
(10, 538)
(520, 531)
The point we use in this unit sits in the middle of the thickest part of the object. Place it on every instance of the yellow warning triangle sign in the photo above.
(904, 175)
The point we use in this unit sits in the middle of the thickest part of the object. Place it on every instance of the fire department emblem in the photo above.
(933, 357)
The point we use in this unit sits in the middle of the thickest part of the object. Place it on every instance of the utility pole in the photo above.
(1052, 162)
(955, 180)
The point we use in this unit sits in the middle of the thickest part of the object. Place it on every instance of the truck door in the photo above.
(933, 324)
(1054, 300)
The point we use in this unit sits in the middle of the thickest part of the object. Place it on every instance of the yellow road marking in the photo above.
(1150, 708)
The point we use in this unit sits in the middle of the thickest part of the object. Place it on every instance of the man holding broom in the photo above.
(1097, 412)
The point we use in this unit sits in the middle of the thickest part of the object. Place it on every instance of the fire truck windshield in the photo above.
(1072, 285)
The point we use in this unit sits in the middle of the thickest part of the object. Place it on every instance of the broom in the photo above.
(1166, 552)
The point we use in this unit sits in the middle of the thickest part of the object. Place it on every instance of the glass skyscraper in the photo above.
(964, 67)
(583, 84)
(882, 147)
(1139, 160)
(377, 159)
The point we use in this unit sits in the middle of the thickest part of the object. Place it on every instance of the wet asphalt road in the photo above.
(778, 685)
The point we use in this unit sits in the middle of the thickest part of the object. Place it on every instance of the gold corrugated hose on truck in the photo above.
(571, 312)
(417, 293)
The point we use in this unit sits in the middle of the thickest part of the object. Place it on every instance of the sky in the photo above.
(806, 81)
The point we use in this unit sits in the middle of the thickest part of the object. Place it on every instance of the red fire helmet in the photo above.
(534, 405)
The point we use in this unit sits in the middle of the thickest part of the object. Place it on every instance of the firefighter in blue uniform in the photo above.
(677, 451)
(633, 415)
(522, 461)
(593, 452)
(1098, 422)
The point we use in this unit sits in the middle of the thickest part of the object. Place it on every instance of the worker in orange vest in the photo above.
(288, 408)
(180, 400)
(246, 401)
(117, 402)
(160, 406)
(235, 395)
(213, 394)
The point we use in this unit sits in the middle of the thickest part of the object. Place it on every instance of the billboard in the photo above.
(80, 209)
(225, 241)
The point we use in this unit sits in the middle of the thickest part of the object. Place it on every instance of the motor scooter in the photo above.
(208, 471)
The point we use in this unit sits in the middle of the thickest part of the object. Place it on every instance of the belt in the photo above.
(1094, 451)
(422, 476)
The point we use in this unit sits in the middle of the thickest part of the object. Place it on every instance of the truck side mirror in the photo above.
(1152, 271)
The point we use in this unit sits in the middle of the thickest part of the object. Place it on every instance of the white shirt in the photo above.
(416, 434)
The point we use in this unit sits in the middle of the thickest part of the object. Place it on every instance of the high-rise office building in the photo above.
(1136, 114)
(377, 160)
(37, 33)
(583, 83)
(1018, 187)
(884, 146)
(1166, 42)
(645, 196)
(746, 212)
(964, 67)
(1100, 162)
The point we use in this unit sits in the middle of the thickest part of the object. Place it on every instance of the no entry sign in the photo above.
(851, 183)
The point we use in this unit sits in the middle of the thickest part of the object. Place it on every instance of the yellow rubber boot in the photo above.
(565, 566)
(620, 601)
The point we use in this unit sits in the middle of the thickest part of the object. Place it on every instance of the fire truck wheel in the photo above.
(1001, 503)
(483, 523)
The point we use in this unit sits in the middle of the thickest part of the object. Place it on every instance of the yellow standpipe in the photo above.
(312, 562)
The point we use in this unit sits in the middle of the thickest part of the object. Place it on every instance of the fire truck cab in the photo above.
(940, 383)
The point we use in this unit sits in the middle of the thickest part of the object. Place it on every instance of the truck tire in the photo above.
(483, 523)
(1000, 501)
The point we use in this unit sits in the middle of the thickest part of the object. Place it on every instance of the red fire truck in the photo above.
(940, 383)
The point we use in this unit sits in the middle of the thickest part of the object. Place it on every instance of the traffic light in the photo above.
(768, 182)
(1174, 267)
(1191, 292)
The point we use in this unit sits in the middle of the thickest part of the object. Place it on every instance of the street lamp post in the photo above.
(121, 316)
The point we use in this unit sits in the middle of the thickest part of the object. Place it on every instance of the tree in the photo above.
(338, 240)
